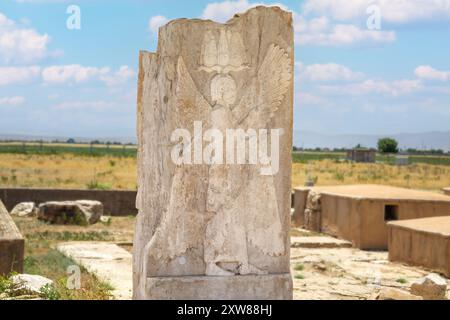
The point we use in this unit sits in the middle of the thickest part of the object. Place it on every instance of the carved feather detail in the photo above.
(264, 98)
(189, 100)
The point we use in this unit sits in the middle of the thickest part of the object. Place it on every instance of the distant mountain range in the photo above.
(302, 139)
(422, 141)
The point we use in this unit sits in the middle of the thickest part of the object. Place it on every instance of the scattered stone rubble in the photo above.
(25, 209)
(431, 287)
(28, 284)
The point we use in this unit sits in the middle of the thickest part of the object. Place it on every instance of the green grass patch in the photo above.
(48, 149)
(299, 267)
(71, 236)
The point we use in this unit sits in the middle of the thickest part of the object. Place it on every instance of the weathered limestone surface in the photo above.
(224, 224)
(268, 287)
(11, 244)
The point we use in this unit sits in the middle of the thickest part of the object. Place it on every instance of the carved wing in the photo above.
(264, 98)
(191, 103)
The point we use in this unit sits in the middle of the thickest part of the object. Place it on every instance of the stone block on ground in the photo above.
(319, 242)
(431, 287)
(11, 244)
(28, 284)
(395, 294)
(25, 209)
(81, 212)
(258, 287)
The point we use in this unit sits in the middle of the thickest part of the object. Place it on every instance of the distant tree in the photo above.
(387, 145)
(71, 141)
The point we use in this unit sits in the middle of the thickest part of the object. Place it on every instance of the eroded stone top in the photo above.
(8, 229)
(380, 192)
(435, 225)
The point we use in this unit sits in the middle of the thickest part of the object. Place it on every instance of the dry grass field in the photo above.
(414, 176)
(67, 171)
(112, 172)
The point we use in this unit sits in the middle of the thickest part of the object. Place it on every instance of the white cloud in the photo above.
(308, 30)
(119, 77)
(155, 23)
(18, 75)
(321, 31)
(330, 72)
(12, 101)
(336, 9)
(65, 74)
(76, 74)
(429, 73)
(370, 86)
(19, 44)
(71, 73)
(392, 11)
(99, 105)
(223, 11)
(307, 99)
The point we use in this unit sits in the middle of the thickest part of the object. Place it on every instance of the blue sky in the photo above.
(349, 78)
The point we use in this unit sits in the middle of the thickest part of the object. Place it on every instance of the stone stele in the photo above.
(215, 230)
(11, 244)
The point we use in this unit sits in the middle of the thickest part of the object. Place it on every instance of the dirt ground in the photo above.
(347, 274)
(318, 273)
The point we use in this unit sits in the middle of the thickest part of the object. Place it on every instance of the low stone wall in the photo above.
(359, 213)
(421, 242)
(11, 244)
(115, 202)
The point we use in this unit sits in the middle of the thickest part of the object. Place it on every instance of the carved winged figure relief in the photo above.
(233, 219)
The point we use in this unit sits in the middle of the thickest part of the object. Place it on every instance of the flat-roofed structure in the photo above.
(360, 213)
(11, 244)
(421, 242)
(362, 155)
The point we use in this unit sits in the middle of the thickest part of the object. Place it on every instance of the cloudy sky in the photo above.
(353, 74)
